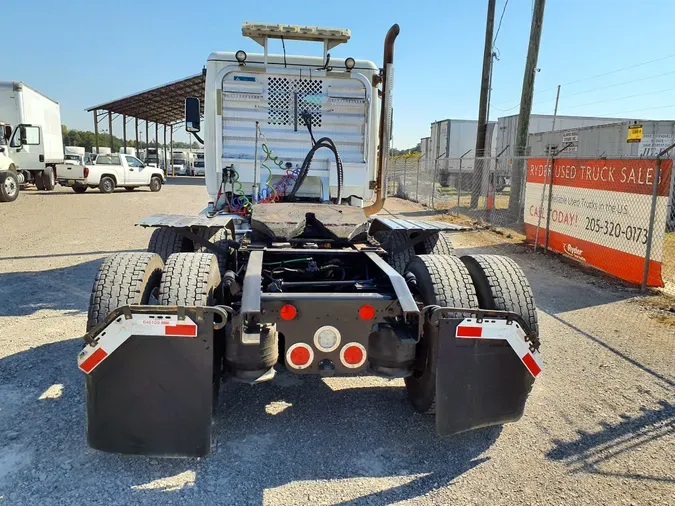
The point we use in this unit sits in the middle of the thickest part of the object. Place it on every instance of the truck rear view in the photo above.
(290, 268)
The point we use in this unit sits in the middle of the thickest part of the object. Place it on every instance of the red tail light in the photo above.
(367, 312)
(86, 172)
(353, 355)
(299, 356)
(288, 312)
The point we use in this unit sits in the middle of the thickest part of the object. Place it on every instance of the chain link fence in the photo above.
(603, 211)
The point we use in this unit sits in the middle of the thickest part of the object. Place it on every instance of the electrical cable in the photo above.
(593, 77)
(283, 45)
(324, 142)
(500, 23)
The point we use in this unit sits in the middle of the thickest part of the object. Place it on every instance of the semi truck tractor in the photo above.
(293, 267)
(32, 142)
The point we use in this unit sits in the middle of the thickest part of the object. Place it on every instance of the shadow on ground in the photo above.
(65, 289)
(589, 451)
(265, 436)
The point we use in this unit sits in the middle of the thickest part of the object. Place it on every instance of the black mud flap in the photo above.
(478, 382)
(153, 394)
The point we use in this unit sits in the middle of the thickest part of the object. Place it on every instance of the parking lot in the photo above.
(598, 429)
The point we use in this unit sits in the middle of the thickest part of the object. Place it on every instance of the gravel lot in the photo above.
(598, 429)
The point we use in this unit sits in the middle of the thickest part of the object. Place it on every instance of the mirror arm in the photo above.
(199, 139)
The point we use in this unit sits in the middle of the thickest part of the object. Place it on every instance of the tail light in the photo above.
(288, 312)
(353, 355)
(86, 172)
(367, 312)
(299, 356)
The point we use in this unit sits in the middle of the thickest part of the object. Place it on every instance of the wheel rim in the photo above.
(10, 186)
(107, 186)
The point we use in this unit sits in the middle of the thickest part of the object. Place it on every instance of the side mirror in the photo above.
(7, 132)
(192, 114)
(22, 135)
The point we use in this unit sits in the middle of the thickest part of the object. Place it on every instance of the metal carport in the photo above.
(163, 105)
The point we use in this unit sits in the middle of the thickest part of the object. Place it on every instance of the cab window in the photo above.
(132, 161)
(32, 136)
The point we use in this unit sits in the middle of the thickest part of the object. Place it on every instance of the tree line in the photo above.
(87, 140)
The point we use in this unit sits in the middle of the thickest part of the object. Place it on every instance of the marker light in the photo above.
(350, 63)
(366, 312)
(240, 56)
(288, 312)
(327, 338)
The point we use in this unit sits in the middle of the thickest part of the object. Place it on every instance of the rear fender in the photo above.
(486, 368)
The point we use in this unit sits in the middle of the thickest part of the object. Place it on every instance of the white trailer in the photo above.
(33, 139)
(128, 151)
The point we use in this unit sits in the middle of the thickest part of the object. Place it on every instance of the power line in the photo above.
(620, 98)
(500, 23)
(593, 77)
(642, 109)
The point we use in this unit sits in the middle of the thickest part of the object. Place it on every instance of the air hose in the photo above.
(324, 142)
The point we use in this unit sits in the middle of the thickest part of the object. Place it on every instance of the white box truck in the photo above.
(33, 143)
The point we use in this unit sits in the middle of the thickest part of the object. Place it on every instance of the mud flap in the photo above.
(151, 393)
(479, 382)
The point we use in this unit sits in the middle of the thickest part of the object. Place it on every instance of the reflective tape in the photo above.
(121, 329)
(512, 333)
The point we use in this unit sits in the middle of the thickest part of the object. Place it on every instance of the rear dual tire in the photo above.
(472, 281)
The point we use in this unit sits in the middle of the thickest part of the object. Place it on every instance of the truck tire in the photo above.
(501, 284)
(9, 186)
(48, 179)
(438, 244)
(37, 179)
(219, 237)
(155, 184)
(445, 281)
(106, 185)
(123, 278)
(79, 189)
(189, 279)
(392, 240)
(166, 241)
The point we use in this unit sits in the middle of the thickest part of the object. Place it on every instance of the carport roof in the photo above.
(164, 105)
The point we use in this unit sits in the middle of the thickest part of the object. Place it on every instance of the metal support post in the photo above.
(459, 186)
(543, 187)
(111, 130)
(652, 215)
(124, 132)
(96, 129)
(171, 151)
(164, 149)
(138, 148)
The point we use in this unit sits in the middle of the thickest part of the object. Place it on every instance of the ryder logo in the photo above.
(573, 251)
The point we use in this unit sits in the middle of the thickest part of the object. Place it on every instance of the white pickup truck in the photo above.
(109, 172)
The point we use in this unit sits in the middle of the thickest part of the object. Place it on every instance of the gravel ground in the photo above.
(599, 427)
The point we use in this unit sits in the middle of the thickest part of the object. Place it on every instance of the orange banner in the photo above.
(600, 213)
(628, 176)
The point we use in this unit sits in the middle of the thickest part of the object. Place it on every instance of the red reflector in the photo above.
(93, 360)
(353, 355)
(180, 330)
(366, 312)
(287, 312)
(464, 331)
(86, 172)
(300, 355)
(531, 364)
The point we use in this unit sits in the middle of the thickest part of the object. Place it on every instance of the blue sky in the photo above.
(82, 53)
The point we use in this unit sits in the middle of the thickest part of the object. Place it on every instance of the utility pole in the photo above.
(483, 106)
(525, 109)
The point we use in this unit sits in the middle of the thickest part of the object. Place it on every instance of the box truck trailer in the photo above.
(289, 267)
(32, 139)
